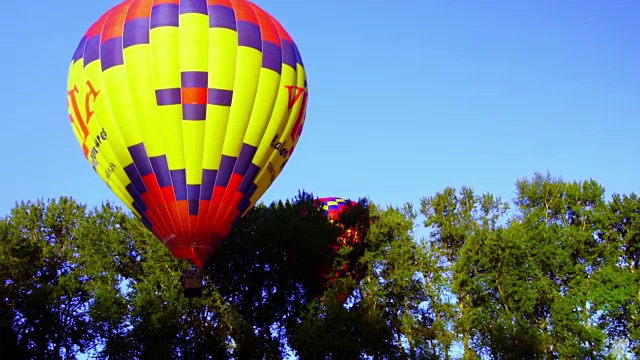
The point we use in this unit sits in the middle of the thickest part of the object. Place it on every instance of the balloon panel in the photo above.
(188, 110)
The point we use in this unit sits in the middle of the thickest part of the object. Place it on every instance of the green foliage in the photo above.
(44, 298)
(553, 274)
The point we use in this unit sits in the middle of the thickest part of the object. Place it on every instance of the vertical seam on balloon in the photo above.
(203, 135)
(200, 233)
(220, 216)
(153, 205)
(288, 118)
(107, 101)
(118, 187)
(160, 215)
(84, 142)
(225, 139)
(270, 115)
(186, 225)
(176, 221)
(204, 216)
(106, 95)
(169, 243)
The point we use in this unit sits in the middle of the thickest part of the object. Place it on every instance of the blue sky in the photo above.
(405, 97)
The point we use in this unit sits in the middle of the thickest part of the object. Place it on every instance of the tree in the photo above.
(543, 281)
(620, 232)
(45, 300)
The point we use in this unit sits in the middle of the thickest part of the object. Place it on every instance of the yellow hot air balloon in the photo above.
(188, 110)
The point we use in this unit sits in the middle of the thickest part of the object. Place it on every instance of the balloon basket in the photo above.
(192, 283)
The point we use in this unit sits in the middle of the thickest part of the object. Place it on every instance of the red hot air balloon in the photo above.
(335, 209)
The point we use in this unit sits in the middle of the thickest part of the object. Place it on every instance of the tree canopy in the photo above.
(550, 274)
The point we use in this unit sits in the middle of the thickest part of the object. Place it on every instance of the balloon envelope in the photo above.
(334, 208)
(188, 110)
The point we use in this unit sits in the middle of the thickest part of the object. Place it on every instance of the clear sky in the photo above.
(405, 97)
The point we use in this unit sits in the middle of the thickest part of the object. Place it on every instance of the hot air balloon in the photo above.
(188, 110)
(335, 209)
